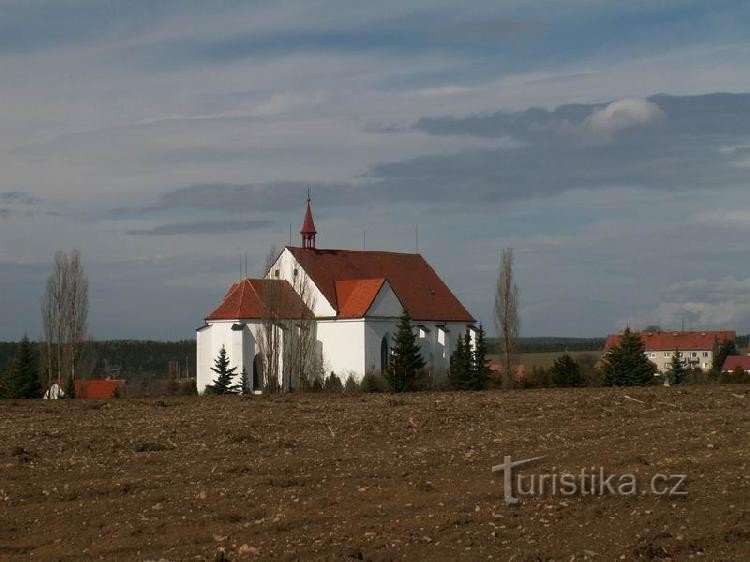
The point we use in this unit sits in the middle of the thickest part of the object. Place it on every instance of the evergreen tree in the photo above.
(566, 372)
(70, 388)
(677, 371)
(22, 378)
(480, 366)
(726, 349)
(245, 382)
(625, 364)
(459, 376)
(223, 383)
(406, 359)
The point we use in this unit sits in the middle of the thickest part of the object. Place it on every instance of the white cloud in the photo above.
(622, 114)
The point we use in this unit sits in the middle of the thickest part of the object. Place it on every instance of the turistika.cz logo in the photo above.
(593, 481)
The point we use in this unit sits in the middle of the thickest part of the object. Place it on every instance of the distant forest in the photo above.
(552, 344)
(129, 358)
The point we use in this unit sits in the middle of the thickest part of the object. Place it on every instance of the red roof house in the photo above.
(99, 389)
(734, 361)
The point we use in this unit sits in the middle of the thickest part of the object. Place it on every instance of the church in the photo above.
(318, 311)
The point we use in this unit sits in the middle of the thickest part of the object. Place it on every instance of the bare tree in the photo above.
(65, 316)
(507, 322)
(270, 333)
(77, 309)
(301, 360)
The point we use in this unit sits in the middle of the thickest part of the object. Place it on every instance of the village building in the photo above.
(696, 349)
(733, 362)
(324, 310)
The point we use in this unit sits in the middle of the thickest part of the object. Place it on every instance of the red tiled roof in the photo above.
(418, 287)
(734, 361)
(98, 389)
(260, 298)
(355, 296)
(669, 341)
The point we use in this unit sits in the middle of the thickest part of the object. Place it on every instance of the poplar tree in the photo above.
(406, 359)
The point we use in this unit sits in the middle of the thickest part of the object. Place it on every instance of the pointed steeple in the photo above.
(308, 231)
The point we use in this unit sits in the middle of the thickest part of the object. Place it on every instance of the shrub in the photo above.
(372, 382)
(738, 376)
(538, 377)
(333, 384)
(351, 386)
(316, 385)
(566, 372)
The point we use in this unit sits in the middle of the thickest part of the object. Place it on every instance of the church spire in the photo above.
(308, 231)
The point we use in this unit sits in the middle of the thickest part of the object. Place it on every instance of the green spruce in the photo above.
(223, 382)
(677, 372)
(625, 364)
(459, 376)
(22, 376)
(406, 359)
(481, 365)
(566, 372)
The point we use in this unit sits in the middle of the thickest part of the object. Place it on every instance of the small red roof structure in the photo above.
(99, 389)
(308, 231)
(684, 341)
(734, 361)
(252, 299)
(424, 295)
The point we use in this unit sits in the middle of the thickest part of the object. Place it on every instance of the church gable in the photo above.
(385, 304)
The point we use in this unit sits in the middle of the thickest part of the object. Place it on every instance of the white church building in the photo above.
(346, 303)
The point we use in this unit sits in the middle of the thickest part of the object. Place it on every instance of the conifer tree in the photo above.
(406, 359)
(245, 382)
(726, 349)
(22, 379)
(481, 366)
(677, 372)
(566, 372)
(459, 376)
(223, 383)
(70, 388)
(625, 364)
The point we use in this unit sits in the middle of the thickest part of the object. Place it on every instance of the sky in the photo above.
(607, 143)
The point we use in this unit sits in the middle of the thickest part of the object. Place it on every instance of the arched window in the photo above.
(384, 354)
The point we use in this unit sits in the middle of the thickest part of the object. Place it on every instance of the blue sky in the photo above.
(607, 142)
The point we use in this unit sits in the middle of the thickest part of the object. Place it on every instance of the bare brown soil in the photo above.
(372, 477)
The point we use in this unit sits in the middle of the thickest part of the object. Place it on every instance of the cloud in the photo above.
(704, 303)
(626, 113)
(202, 227)
(18, 197)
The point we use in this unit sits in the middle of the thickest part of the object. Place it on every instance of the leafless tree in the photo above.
(270, 333)
(507, 322)
(77, 309)
(65, 316)
(301, 360)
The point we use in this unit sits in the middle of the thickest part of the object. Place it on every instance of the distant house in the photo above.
(734, 361)
(99, 389)
(696, 348)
